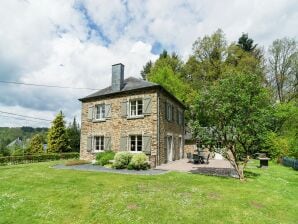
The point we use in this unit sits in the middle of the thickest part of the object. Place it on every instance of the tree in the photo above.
(283, 68)
(57, 138)
(36, 145)
(73, 135)
(246, 43)
(146, 70)
(236, 111)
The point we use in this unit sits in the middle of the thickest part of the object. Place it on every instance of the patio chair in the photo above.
(195, 158)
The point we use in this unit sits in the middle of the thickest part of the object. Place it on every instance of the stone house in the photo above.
(132, 115)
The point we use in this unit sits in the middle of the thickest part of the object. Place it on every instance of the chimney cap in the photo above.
(118, 64)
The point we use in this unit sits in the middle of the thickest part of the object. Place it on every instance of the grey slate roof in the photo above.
(130, 84)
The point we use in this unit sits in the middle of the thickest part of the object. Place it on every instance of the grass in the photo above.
(36, 193)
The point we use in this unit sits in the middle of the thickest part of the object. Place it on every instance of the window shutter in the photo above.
(123, 143)
(89, 144)
(124, 108)
(90, 113)
(173, 114)
(177, 115)
(108, 145)
(147, 105)
(146, 144)
(166, 110)
(107, 110)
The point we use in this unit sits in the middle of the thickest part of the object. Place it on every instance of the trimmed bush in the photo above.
(7, 160)
(103, 158)
(121, 160)
(139, 161)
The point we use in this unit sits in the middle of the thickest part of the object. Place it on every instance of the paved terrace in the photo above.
(215, 167)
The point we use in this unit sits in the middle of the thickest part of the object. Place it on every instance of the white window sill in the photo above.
(99, 120)
(136, 152)
(135, 117)
(97, 151)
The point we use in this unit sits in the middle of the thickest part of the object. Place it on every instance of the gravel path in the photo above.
(97, 168)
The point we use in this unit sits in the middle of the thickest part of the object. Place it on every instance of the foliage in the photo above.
(146, 70)
(283, 68)
(103, 158)
(237, 110)
(275, 146)
(122, 159)
(7, 160)
(57, 137)
(139, 161)
(36, 145)
(246, 43)
(73, 134)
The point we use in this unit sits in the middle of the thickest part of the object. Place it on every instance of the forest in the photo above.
(238, 94)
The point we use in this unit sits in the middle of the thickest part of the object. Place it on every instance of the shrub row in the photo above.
(103, 158)
(37, 158)
(290, 162)
(131, 161)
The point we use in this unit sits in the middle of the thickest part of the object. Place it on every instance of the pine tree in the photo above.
(35, 145)
(57, 137)
(73, 134)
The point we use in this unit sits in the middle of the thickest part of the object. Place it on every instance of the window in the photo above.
(180, 117)
(169, 112)
(136, 143)
(98, 143)
(100, 112)
(136, 108)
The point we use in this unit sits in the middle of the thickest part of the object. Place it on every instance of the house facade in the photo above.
(132, 115)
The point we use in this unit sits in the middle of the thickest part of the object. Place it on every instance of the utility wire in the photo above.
(19, 118)
(49, 86)
(42, 119)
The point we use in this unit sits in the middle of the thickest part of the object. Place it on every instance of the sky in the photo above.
(75, 42)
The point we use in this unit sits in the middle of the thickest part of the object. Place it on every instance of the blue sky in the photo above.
(75, 42)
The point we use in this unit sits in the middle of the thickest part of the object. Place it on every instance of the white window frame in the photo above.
(136, 141)
(102, 112)
(139, 103)
(101, 143)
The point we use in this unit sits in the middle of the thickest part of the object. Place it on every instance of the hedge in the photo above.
(290, 162)
(7, 160)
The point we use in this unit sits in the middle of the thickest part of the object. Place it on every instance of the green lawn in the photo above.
(36, 193)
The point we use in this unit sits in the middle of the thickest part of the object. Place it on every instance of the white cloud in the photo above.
(75, 42)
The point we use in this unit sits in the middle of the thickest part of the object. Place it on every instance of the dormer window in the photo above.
(100, 112)
(136, 107)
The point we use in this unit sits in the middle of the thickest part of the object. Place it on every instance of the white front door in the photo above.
(170, 148)
(180, 147)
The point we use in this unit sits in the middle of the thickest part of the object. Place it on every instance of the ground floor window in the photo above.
(136, 143)
(98, 143)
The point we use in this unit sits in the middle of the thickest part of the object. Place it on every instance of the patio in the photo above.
(214, 167)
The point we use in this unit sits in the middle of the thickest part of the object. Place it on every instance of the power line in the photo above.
(48, 86)
(19, 118)
(42, 119)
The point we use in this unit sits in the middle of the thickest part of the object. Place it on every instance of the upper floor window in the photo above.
(100, 112)
(136, 143)
(98, 143)
(169, 111)
(180, 117)
(136, 107)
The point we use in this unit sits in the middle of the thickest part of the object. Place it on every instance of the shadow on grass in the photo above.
(211, 171)
(250, 174)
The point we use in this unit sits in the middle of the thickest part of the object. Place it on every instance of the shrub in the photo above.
(37, 158)
(121, 160)
(103, 158)
(139, 162)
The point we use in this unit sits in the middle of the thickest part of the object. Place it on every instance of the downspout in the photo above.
(158, 134)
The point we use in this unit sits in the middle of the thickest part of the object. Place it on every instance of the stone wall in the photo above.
(169, 128)
(117, 126)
